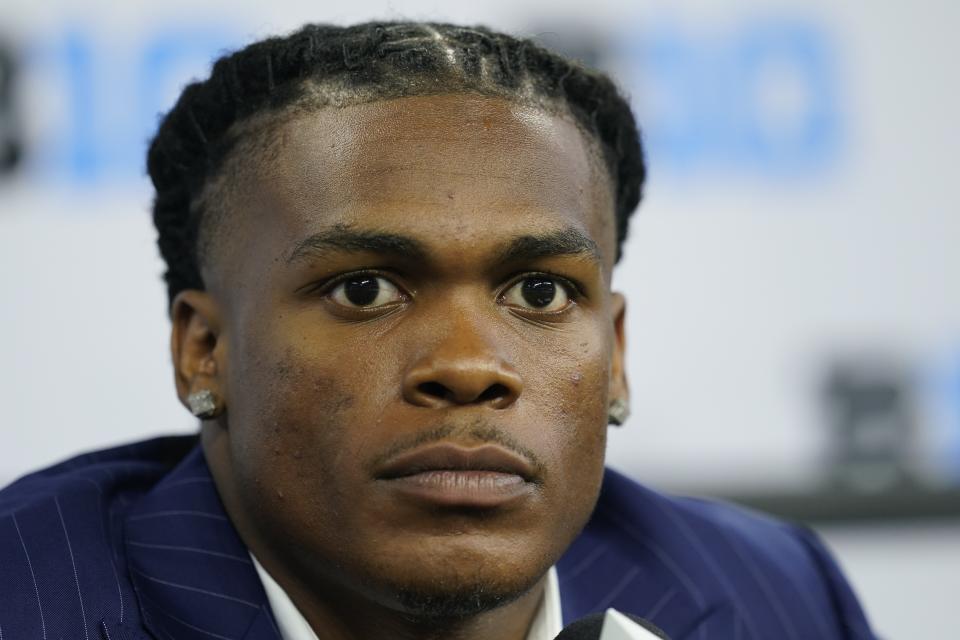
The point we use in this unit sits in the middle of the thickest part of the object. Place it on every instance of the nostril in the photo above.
(434, 389)
(439, 391)
(493, 392)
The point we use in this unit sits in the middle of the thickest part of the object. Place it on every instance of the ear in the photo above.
(199, 356)
(618, 372)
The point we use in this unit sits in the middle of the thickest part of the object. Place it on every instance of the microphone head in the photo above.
(587, 628)
(590, 627)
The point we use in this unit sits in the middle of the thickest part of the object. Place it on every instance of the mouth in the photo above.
(449, 475)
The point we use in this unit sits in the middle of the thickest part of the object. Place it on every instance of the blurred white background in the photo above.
(794, 323)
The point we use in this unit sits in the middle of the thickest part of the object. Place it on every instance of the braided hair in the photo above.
(329, 66)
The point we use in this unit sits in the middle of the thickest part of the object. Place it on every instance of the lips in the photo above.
(450, 475)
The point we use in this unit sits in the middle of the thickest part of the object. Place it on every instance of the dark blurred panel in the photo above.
(11, 145)
(872, 423)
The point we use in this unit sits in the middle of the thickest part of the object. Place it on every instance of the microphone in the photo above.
(612, 625)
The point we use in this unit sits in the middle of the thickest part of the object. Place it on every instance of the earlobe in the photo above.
(197, 352)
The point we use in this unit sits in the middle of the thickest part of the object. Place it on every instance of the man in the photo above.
(389, 254)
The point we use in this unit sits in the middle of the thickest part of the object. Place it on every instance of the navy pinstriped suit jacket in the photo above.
(132, 543)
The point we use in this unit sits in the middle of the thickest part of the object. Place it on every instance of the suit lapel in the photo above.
(193, 575)
(617, 562)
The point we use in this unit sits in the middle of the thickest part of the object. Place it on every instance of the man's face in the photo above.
(415, 341)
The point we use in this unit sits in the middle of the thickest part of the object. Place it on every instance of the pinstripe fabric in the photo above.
(133, 543)
(705, 571)
(62, 566)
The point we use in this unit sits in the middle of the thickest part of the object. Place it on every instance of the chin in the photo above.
(457, 602)
(455, 597)
(451, 584)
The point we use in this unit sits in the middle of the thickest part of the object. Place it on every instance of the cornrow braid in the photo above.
(325, 65)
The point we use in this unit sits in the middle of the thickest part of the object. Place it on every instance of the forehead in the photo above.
(449, 169)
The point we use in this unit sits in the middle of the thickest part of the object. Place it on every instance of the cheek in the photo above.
(288, 430)
(573, 397)
(577, 386)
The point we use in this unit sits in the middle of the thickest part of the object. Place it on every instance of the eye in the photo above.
(365, 291)
(539, 293)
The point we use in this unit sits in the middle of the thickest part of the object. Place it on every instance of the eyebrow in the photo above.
(342, 238)
(564, 242)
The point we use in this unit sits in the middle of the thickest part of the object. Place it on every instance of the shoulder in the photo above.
(721, 535)
(129, 467)
(60, 537)
(775, 578)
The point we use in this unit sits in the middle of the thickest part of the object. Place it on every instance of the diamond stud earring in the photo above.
(203, 404)
(618, 412)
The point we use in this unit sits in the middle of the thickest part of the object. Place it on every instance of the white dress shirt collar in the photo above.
(547, 623)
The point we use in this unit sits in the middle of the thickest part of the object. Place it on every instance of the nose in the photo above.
(464, 368)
